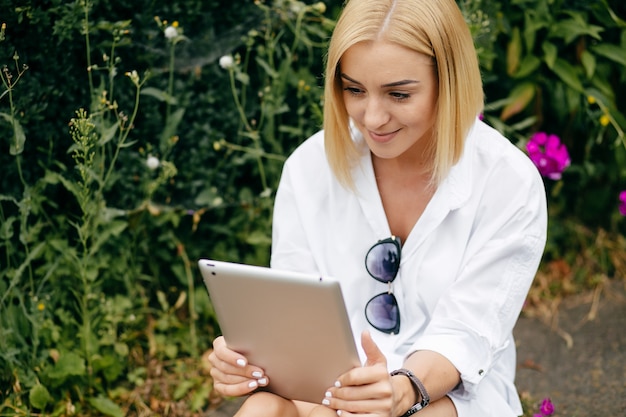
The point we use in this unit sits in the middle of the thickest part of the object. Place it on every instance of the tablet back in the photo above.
(292, 325)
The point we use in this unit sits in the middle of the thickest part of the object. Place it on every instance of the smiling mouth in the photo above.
(383, 137)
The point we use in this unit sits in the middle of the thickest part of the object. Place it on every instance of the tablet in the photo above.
(292, 325)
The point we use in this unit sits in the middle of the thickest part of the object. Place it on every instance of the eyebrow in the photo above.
(393, 84)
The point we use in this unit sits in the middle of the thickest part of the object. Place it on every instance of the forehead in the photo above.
(385, 61)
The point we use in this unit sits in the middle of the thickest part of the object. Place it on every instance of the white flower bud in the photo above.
(171, 32)
(226, 62)
(153, 162)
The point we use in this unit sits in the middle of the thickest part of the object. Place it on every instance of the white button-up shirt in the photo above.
(466, 266)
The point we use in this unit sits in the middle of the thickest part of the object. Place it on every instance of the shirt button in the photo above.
(481, 372)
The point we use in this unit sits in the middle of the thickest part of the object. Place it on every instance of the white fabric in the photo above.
(466, 266)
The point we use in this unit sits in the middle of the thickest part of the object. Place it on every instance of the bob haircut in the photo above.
(435, 28)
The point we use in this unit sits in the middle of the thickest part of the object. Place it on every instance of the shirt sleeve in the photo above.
(472, 323)
(290, 249)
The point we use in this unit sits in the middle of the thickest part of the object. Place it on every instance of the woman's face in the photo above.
(390, 93)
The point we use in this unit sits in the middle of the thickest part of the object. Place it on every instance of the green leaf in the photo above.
(570, 29)
(108, 133)
(172, 124)
(7, 228)
(106, 406)
(183, 388)
(613, 52)
(110, 366)
(200, 397)
(127, 144)
(19, 138)
(513, 52)
(243, 78)
(567, 73)
(589, 63)
(529, 64)
(113, 228)
(268, 70)
(532, 24)
(258, 238)
(518, 100)
(69, 364)
(159, 95)
(39, 397)
(550, 53)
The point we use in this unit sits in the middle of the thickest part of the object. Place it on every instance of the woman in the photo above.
(407, 186)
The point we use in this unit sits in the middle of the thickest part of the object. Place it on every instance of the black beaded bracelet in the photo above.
(420, 391)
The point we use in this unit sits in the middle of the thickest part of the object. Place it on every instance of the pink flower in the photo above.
(547, 408)
(548, 154)
(622, 203)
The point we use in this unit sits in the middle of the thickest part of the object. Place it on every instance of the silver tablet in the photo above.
(292, 325)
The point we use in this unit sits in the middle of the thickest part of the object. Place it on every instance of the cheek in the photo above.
(353, 108)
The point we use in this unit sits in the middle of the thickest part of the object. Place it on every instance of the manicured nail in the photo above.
(252, 384)
(338, 412)
(338, 384)
(325, 401)
(241, 362)
(257, 374)
(262, 381)
(328, 394)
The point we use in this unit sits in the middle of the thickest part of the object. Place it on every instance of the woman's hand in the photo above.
(231, 373)
(366, 390)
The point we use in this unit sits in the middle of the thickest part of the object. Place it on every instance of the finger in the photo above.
(232, 384)
(231, 362)
(373, 353)
(374, 377)
(380, 387)
(246, 386)
(362, 407)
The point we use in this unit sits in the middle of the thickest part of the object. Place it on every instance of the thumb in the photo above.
(373, 353)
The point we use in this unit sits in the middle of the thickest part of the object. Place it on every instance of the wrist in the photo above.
(422, 399)
(404, 395)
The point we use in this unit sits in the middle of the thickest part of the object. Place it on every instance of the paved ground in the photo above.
(577, 357)
(578, 361)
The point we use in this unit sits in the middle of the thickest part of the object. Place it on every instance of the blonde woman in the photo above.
(434, 223)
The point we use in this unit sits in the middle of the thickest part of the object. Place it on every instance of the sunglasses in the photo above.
(382, 263)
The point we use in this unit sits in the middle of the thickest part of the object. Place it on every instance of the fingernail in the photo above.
(338, 384)
(325, 401)
(257, 374)
(252, 384)
(241, 362)
(338, 412)
(328, 394)
(262, 381)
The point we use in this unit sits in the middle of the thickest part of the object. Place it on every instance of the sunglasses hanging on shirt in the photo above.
(382, 263)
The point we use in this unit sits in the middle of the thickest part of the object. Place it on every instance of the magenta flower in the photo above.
(548, 154)
(622, 203)
(547, 408)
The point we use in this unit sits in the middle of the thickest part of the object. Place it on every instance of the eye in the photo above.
(399, 96)
(353, 91)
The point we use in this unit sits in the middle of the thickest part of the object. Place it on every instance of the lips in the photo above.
(382, 137)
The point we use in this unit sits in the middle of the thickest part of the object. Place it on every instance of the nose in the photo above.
(375, 114)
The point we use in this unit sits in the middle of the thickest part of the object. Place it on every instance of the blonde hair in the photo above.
(435, 28)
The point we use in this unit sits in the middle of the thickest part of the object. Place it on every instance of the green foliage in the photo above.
(142, 136)
(100, 225)
(560, 67)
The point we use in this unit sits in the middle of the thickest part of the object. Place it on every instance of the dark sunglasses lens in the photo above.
(382, 261)
(382, 313)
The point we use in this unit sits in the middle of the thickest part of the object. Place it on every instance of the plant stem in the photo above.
(122, 137)
(88, 45)
(191, 297)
